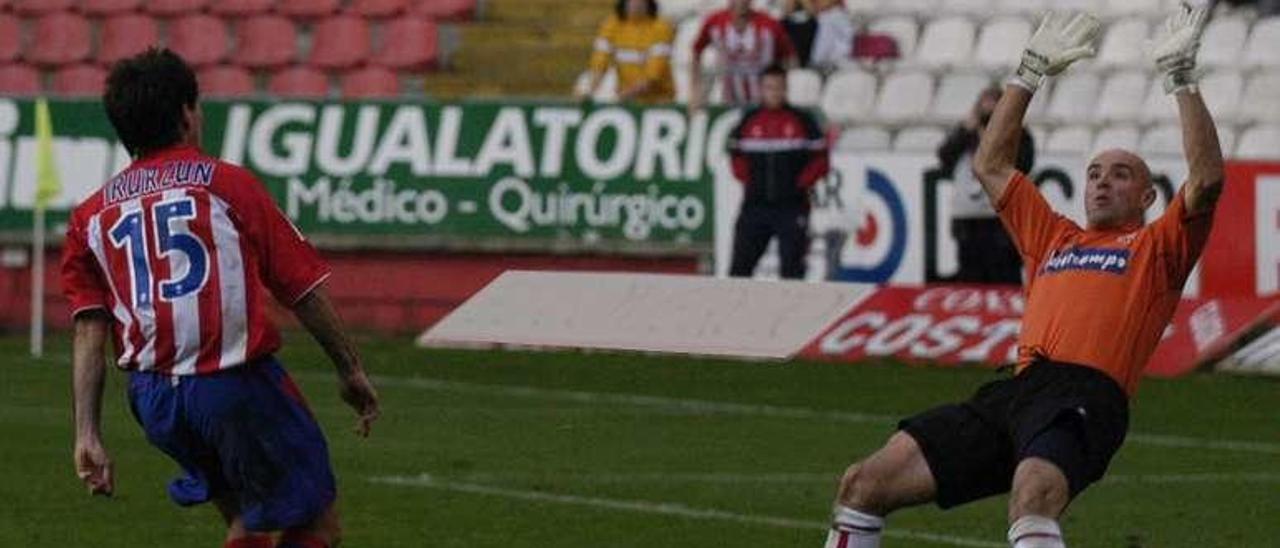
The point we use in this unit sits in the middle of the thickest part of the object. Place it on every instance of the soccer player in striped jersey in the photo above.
(169, 259)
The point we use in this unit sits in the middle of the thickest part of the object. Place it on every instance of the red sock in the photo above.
(300, 539)
(252, 541)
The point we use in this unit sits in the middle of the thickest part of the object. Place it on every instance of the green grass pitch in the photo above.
(520, 449)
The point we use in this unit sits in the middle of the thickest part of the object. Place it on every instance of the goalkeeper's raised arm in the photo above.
(1061, 39)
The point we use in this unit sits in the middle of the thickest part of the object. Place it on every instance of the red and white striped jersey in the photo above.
(178, 247)
(744, 53)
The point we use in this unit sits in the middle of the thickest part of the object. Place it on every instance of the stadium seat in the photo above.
(1120, 8)
(686, 33)
(919, 139)
(59, 38)
(125, 35)
(1123, 44)
(804, 87)
(1263, 47)
(345, 42)
(1259, 143)
(408, 43)
(1221, 92)
(1124, 137)
(370, 83)
(1122, 96)
(1069, 140)
(1158, 106)
(308, 9)
(972, 8)
(266, 41)
(873, 48)
(849, 96)
(679, 10)
(1261, 99)
(1035, 8)
(1001, 41)
(378, 8)
(903, 29)
(946, 42)
(80, 80)
(226, 81)
(10, 38)
(1090, 6)
(1164, 139)
(109, 7)
(443, 10)
(956, 95)
(915, 8)
(905, 97)
(19, 80)
(299, 82)
(863, 138)
(1223, 41)
(1075, 97)
(200, 39)
(240, 8)
(170, 8)
(41, 7)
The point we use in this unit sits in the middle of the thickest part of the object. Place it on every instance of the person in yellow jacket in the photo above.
(636, 43)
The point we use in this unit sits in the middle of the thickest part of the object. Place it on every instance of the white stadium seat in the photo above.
(946, 42)
(1123, 137)
(1226, 140)
(1035, 8)
(956, 95)
(1221, 92)
(677, 10)
(1162, 139)
(919, 139)
(863, 138)
(1001, 41)
(804, 87)
(849, 96)
(1117, 8)
(905, 97)
(1263, 47)
(1124, 43)
(1075, 97)
(686, 33)
(966, 7)
(903, 29)
(1122, 97)
(1261, 99)
(1259, 143)
(1158, 106)
(1090, 6)
(915, 8)
(1069, 139)
(1223, 41)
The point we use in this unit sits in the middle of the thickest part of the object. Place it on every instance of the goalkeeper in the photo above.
(1098, 299)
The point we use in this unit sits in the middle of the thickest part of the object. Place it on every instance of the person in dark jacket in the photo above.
(778, 153)
(986, 254)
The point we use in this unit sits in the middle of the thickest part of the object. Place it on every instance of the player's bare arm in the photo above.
(1174, 50)
(93, 466)
(1061, 39)
(316, 312)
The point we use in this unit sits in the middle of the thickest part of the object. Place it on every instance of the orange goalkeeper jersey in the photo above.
(1100, 298)
(640, 50)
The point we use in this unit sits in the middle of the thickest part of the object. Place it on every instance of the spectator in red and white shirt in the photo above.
(747, 41)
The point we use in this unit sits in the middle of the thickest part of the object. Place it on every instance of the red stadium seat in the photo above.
(240, 8)
(875, 47)
(41, 7)
(10, 38)
(379, 8)
(408, 43)
(225, 81)
(125, 35)
(449, 10)
(301, 82)
(19, 80)
(266, 41)
(59, 39)
(109, 7)
(370, 83)
(308, 9)
(170, 8)
(83, 80)
(340, 42)
(200, 39)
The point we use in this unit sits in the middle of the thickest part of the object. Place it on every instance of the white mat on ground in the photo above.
(647, 312)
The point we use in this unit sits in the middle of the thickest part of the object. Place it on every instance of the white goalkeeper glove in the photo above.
(1175, 45)
(1062, 39)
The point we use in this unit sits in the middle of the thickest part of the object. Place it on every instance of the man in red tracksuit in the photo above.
(778, 153)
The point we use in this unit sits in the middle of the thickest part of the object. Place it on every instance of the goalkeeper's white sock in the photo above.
(1035, 532)
(853, 529)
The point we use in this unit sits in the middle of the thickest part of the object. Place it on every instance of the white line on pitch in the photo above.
(812, 478)
(662, 508)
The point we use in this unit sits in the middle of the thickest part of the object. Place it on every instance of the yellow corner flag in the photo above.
(48, 183)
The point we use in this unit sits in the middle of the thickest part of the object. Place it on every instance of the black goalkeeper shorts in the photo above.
(1071, 415)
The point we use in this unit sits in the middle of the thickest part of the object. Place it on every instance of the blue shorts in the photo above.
(243, 435)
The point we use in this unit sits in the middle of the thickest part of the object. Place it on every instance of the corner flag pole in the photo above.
(48, 186)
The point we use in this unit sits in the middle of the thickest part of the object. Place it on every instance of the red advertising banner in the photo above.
(955, 324)
(1242, 257)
